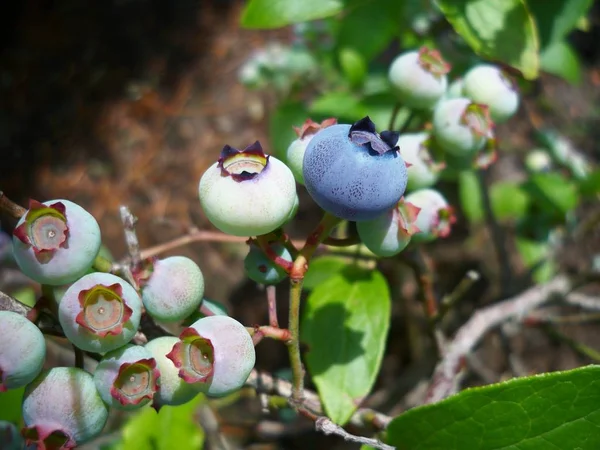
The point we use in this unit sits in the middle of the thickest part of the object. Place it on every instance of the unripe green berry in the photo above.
(263, 270)
(461, 127)
(422, 170)
(419, 78)
(489, 85)
(10, 438)
(22, 350)
(100, 312)
(127, 378)
(247, 193)
(296, 150)
(56, 242)
(172, 390)
(173, 288)
(62, 409)
(435, 216)
(390, 233)
(215, 355)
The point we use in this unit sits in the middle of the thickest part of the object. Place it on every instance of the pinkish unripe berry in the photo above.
(100, 312)
(419, 77)
(172, 389)
(215, 355)
(390, 233)
(489, 85)
(56, 242)
(172, 288)
(22, 350)
(127, 378)
(247, 193)
(435, 216)
(295, 152)
(62, 409)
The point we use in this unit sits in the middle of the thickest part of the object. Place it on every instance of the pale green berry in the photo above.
(419, 78)
(173, 390)
(22, 350)
(489, 85)
(62, 409)
(247, 193)
(435, 216)
(423, 171)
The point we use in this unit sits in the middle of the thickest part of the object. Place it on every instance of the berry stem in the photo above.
(279, 334)
(11, 207)
(102, 264)
(264, 242)
(79, 357)
(299, 268)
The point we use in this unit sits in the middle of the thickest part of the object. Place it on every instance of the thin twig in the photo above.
(448, 301)
(327, 427)
(131, 239)
(407, 122)
(394, 116)
(272, 305)
(10, 207)
(447, 374)
(498, 236)
(267, 383)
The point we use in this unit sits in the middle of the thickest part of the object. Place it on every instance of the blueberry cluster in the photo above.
(56, 244)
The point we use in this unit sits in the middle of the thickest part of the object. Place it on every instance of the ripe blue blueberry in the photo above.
(296, 150)
(419, 77)
(489, 85)
(353, 172)
(263, 270)
(247, 193)
(172, 390)
(56, 242)
(100, 312)
(435, 216)
(22, 351)
(62, 409)
(127, 378)
(215, 354)
(390, 233)
(172, 288)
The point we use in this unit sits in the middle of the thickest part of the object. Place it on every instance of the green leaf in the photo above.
(553, 411)
(353, 66)
(11, 405)
(590, 185)
(342, 105)
(380, 20)
(345, 325)
(172, 427)
(281, 123)
(554, 191)
(500, 30)
(559, 59)
(470, 196)
(509, 200)
(535, 254)
(26, 296)
(322, 269)
(556, 18)
(278, 13)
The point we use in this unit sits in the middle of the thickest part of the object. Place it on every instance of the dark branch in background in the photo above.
(498, 236)
(44, 321)
(447, 374)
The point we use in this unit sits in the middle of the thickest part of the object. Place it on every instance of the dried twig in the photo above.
(446, 377)
(326, 426)
(131, 239)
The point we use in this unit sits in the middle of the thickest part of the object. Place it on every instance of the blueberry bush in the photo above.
(389, 119)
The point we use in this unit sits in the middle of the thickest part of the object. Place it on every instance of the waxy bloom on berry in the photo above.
(100, 312)
(247, 193)
(56, 242)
